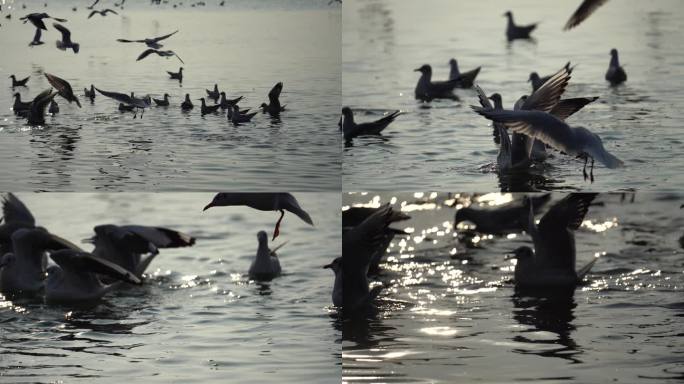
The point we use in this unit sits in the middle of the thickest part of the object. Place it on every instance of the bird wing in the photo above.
(14, 210)
(146, 53)
(117, 96)
(468, 78)
(585, 10)
(535, 124)
(66, 34)
(566, 108)
(80, 262)
(130, 41)
(61, 85)
(175, 54)
(92, 13)
(157, 39)
(41, 101)
(109, 11)
(482, 97)
(360, 242)
(275, 92)
(161, 237)
(548, 95)
(288, 202)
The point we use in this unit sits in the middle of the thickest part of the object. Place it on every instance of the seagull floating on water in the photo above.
(615, 74)
(90, 93)
(226, 103)
(338, 287)
(213, 94)
(264, 202)
(238, 117)
(583, 12)
(273, 107)
(517, 31)
(164, 102)
(103, 12)
(19, 83)
(166, 54)
(350, 129)
(428, 90)
(20, 106)
(208, 108)
(552, 263)
(466, 79)
(63, 88)
(176, 75)
(66, 42)
(266, 265)
(150, 42)
(186, 105)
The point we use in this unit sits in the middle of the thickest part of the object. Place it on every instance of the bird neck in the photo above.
(614, 61)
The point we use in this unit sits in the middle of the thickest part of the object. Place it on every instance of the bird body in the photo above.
(227, 103)
(237, 116)
(187, 105)
(36, 113)
(351, 129)
(176, 75)
(208, 108)
(266, 265)
(90, 93)
(615, 74)
(428, 90)
(466, 79)
(164, 102)
(20, 106)
(213, 94)
(37, 19)
(514, 31)
(150, 42)
(54, 108)
(501, 220)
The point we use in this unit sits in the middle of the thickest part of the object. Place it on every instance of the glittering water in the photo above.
(450, 312)
(445, 145)
(246, 47)
(198, 318)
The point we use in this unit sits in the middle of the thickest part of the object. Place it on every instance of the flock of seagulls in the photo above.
(548, 264)
(37, 263)
(525, 133)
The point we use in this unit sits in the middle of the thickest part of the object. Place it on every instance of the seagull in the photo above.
(166, 54)
(266, 265)
(336, 267)
(186, 105)
(125, 245)
(552, 263)
(539, 125)
(176, 75)
(584, 11)
(501, 220)
(213, 94)
(356, 215)
(467, 79)
(66, 42)
(264, 202)
(150, 42)
(225, 103)
(74, 278)
(128, 100)
(237, 116)
(36, 114)
(90, 93)
(273, 108)
(54, 108)
(350, 129)
(615, 74)
(20, 106)
(102, 13)
(164, 102)
(22, 271)
(36, 38)
(91, 6)
(208, 108)
(19, 83)
(510, 156)
(358, 246)
(63, 88)
(37, 19)
(427, 90)
(517, 31)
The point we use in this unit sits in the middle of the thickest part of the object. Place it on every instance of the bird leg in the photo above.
(584, 170)
(591, 172)
(276, 232)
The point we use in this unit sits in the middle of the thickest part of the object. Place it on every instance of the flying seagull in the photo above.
(37, 19)
(19, 83)
(102, 13)
(63, 88)
(166, 54)
(150, 42)
(66, 42)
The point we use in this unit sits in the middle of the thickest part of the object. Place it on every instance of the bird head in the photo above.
(224, 199)
(347, 112)
(336, 265)
(424, 69)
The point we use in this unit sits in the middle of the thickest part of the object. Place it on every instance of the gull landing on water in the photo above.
(63, 88)
(127, 100)
(263, 202)
(150, 42)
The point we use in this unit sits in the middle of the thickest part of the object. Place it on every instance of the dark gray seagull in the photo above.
(583, 12)
(36, 113)
(428, 90)
(517, 31)
(176, 75)
(166, 54)
(103, 12)
(552, 263)
(127, 100)
(37, 19)
(63, 88)
(351, 129)
(280, 202)
(150, 42)
(19, 83)
(615, 74)
(66, 42)
(164, 102)
(273, 107)
(466, 79)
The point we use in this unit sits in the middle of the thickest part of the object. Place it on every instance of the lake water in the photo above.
(449, 312)
(198, 318)
(246, 47)
(444, 145)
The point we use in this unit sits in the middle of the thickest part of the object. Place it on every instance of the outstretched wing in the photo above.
(584, 11)
(548, 95)
(566, 108)
(116, 96)
(66, 34)
(109, 11)
(85, 262)
(275, 92)
(61, 85)
(146, 53)
(92, 13)
(14, 210)
(160, 38)
(181, 60)
(130, 41)
(289, 203)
